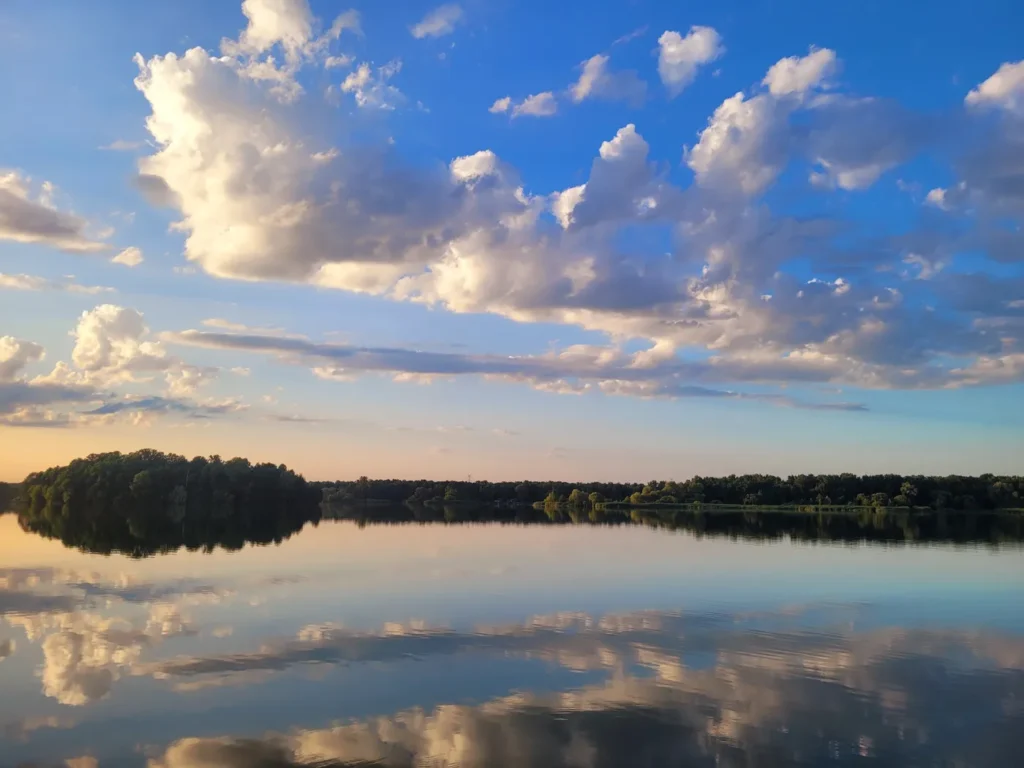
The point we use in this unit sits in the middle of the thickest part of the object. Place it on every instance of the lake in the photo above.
(481, 644)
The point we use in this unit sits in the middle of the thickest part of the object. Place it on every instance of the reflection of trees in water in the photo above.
(769, 699)
(112, 534)
(147, 502)
(881, 525)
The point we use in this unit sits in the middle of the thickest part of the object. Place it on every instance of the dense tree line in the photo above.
(952, 492)
(146, 502)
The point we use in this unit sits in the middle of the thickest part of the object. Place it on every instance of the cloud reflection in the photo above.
(84, 650)
(769, 698)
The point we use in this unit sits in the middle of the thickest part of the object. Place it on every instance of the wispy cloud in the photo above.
(34, 283)
(439, 22)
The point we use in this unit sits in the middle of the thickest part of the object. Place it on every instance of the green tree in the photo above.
(577, 498)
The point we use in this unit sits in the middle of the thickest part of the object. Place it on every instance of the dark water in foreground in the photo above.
(489, 645)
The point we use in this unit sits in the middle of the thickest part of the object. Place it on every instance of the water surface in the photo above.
(512, 645)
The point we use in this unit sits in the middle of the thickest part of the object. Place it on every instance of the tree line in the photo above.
(146, 502)
(952, 492)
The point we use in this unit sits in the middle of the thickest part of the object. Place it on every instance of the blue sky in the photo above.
(514, 239)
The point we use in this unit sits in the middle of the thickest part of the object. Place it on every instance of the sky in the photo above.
(612, 240)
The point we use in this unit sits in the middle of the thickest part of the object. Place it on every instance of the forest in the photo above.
(953, 492)
(146, 502)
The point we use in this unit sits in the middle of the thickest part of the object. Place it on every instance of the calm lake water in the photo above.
(499, 645)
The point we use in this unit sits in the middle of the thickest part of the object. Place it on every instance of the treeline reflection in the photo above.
(111, 533)
(881, 525)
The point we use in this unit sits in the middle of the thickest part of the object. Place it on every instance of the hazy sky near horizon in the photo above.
(514, 239)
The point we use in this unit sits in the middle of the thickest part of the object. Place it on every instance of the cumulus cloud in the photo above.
(112, 347)
(744, 145)
(110, 344)
(501, 106)
(750, 139)
(680, 58)
(28, 218)
(597, 81)
(289, 25)
(439, 22)
(26, 403)
(259, 199)
(623, 186)
(129, 257)
(796, 76)
(538, 105)
(15, 354)
(1004, 89)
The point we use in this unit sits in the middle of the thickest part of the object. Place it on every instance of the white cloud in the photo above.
(743, 145)
(474, 167)
(370, 87)
(439, 22)
(264, 196)
(129, 257)
(500, 106)
(34, 283)
(597, 81)
(334, 62)
(186, 379)
(795, 76)
(288, 23)
(111, 345)
(538, 105)
(679, 58)
(15, 355)
(256, 201)
(936, 198)
(1004, 89)
(28, 219)
(31, 403)
(623, 186)
(564, 203)
(290, 26)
